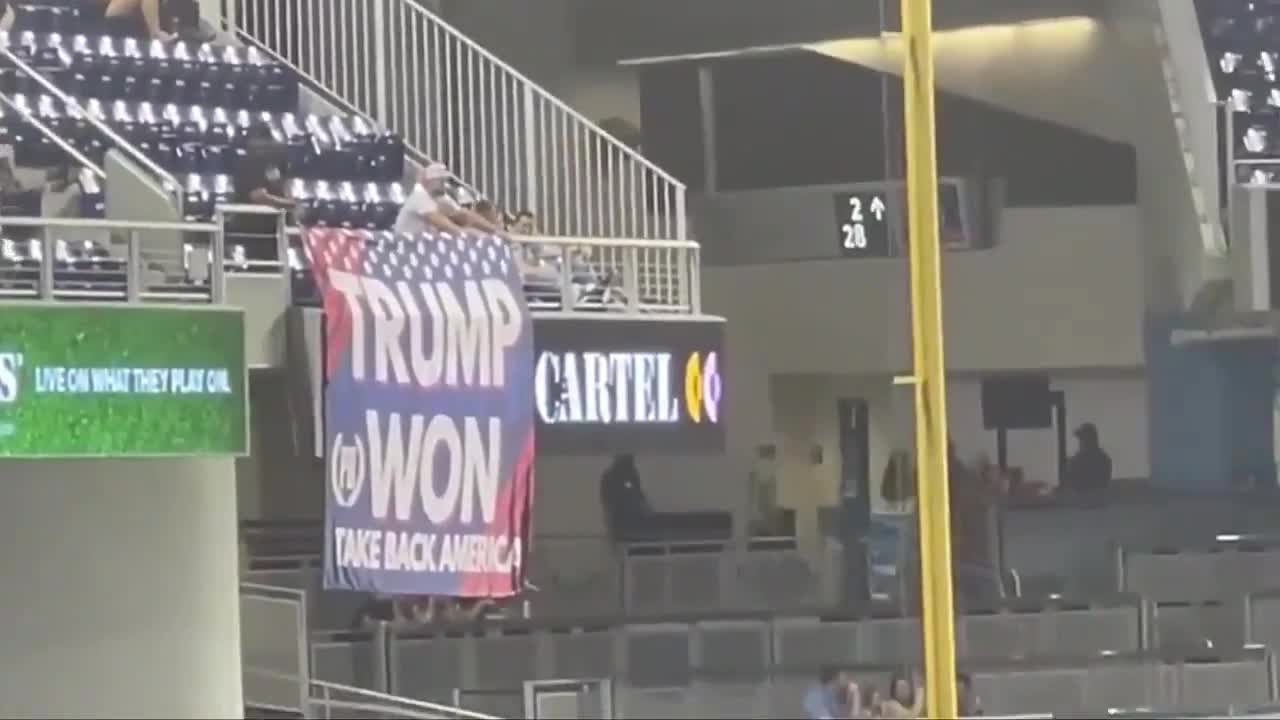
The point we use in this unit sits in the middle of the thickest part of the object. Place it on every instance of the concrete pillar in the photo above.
(119, 595)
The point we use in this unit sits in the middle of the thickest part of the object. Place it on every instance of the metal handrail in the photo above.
(248, 209)
(542, 94)
(92, 224)
(399, 701)
(168, 181)
(376, 701)
(606, 242)
(134, 261)
(273, 590)
(30, 117)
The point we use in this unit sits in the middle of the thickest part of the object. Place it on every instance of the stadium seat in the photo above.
(186, 106)
(1245, 60)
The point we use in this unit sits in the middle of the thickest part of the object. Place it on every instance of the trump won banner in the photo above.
(429, 429)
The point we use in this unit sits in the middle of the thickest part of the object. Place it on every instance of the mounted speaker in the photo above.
(1017, 402)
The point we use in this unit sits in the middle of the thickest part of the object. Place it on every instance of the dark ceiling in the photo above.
(610, 30)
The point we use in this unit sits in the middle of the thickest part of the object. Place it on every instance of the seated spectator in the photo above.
(259, 180)
(377, 609)
(525, 223)
(630, 518)
(835, 696)
(1088, 472)
(490, 212)
(429, 208)
(871, 702)
(626, 508)
(975, 576)
(906, 697)
(465, 610)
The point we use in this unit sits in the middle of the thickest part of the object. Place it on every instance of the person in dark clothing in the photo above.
(974, 572)
(898, 481)
(259, 176)
(259, 180)
(626, 508)
(1088, 472)
(975, 577)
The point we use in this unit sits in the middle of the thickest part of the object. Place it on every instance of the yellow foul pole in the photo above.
(930, 378)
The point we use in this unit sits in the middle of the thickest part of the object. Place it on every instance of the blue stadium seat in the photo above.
(186, 105)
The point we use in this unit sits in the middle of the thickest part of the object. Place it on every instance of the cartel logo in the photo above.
(703, 387)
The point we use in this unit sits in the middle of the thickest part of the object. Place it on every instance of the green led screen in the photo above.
(100, 380)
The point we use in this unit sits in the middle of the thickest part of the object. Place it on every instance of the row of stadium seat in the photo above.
(127, 68)
(194, 139)
(345, 203)
(1242, 40)
(67, 16)
(187, 106)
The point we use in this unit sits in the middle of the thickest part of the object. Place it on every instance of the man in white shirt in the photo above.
(429, 208)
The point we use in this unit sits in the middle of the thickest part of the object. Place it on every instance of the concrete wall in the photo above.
(1061, 289)
(799, 418)
(1176, 264)
(120, 591)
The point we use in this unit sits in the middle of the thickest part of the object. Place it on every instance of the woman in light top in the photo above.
(906, 697)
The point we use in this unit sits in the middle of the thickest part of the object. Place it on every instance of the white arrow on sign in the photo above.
(877, 208)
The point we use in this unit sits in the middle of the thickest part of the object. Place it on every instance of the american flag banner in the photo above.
(429, 429)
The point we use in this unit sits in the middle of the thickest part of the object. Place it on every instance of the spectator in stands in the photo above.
(977, 581)
(1088, 472)
(525, 224)
(429, 207)
(626, 508)
(131, 17)
(490, 212)
(898, 481)
(906, 697)
(377, 609)
(452, 610)
(871, 702)
(835, 696)
(967, 703)
(259, 180)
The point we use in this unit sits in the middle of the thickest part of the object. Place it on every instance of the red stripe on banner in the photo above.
(329, 248)
(510, 519)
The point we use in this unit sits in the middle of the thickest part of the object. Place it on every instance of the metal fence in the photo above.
(273, 647)
(1071, 661)
(127, 261)
(719, 670)
(399, 64)
(108, 260)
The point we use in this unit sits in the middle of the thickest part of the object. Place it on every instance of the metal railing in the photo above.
(604, 276)
(329, 700)
(332, 700)
(28, 116)
(168, 183)
(106, 260)
(569, 274)
(114, 260)
(455, 102)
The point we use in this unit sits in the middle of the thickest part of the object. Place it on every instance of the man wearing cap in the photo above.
(430, 208)
(1089, 470)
